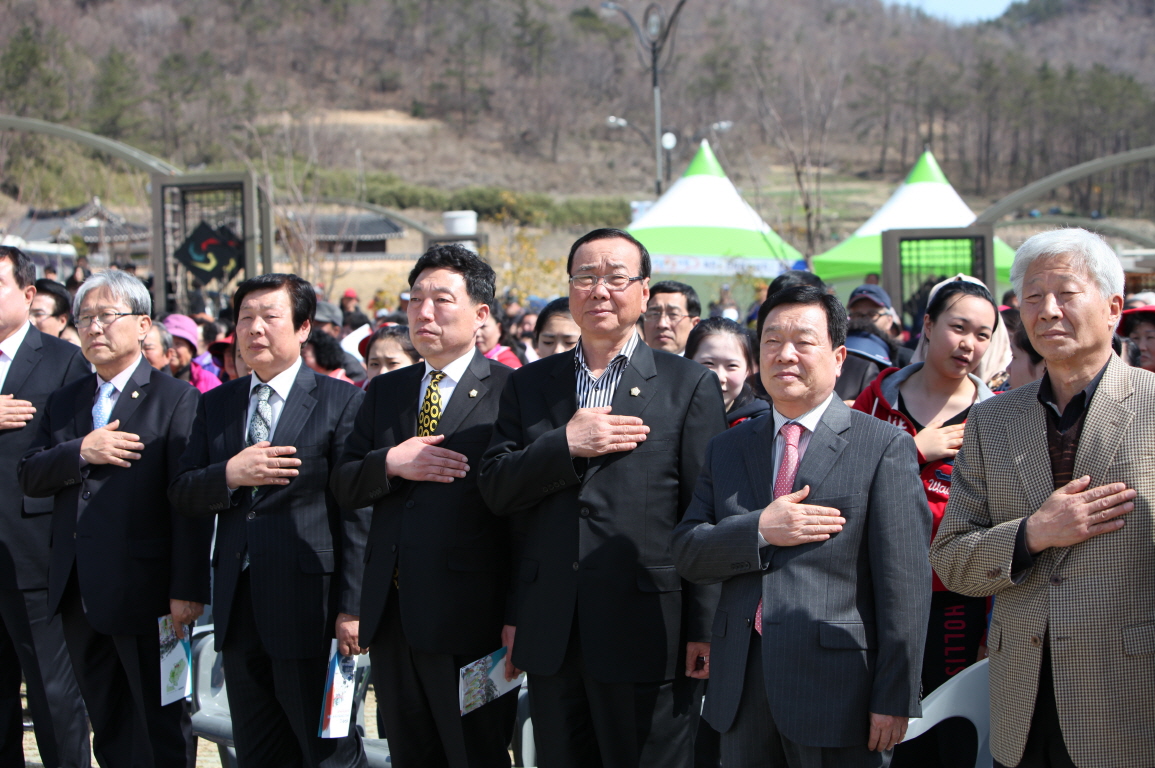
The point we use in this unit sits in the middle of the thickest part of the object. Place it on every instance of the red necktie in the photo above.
(784, 481)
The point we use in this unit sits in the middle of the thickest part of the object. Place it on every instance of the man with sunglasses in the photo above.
(595, 453)
(107, 448)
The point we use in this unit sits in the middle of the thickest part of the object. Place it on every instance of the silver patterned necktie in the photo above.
(262, 417)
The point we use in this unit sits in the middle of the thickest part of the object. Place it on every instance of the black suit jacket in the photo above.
(600, 540)
(451, 552)
(43, 364)
(131, 551)
(293, 533)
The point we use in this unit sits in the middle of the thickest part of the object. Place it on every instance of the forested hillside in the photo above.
(852, 86)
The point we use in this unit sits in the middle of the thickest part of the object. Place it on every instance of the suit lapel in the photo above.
(27, 356)
(297, 408)
(1105, 424)
(466, 395)
(411, 393)
(561, 391)
(85, 397)
(1027, 437)
(135, 392)
(825, 446)
(760, 460)
(237, 418)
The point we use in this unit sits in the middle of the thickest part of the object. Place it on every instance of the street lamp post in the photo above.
(652, 35)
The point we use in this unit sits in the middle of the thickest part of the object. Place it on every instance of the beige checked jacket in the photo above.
(1095, 601)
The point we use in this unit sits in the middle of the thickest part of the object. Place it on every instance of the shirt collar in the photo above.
(808, 420)
(1081, 401)
(11, 345)
(455, 370)
(281, 383)
(627, 352)
(121, 379)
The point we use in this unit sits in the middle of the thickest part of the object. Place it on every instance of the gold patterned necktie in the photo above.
(431, 406)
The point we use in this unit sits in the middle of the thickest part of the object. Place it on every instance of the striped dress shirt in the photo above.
(599, 392)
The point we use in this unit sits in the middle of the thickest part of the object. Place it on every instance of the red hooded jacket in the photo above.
(880, 400)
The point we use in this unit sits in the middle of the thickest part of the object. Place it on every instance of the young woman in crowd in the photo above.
(324, 355)
(555, 330)
(1027, 365)
(388, 349)
(931, 400)
(1139, 326)
(493, 339)
(725, 348)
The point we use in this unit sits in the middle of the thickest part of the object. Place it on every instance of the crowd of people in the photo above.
(744, 541)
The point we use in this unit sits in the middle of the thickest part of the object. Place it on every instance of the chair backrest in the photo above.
(966, 695)
(208, 673)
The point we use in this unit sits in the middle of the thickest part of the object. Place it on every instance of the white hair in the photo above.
(1086, 249)
(121, 286)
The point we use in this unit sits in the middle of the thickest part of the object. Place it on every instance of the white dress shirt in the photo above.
(118, 382)
(282, 384)
(453, 373)
(8, 349)
(809, 422)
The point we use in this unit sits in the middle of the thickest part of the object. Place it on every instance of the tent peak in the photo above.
(927, 169)
(704, 163)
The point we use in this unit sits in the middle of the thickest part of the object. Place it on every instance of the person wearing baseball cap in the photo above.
(1138, 325)
(869, 302)
(184, 335)
(350, 301)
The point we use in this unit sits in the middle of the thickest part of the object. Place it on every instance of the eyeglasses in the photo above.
(612, 282)
(872, 316)
(674, 315)
(104, 319)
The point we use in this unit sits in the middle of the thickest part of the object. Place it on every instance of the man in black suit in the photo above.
(816, 524)
(437, 569)
(32, 366)
(259, 459)
(107, 447)
(596, 451)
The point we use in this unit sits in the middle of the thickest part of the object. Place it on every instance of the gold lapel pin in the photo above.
(135, 394)
(635, 392)
(473, 393)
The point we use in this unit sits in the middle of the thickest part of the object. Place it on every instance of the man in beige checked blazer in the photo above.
(1051, 511)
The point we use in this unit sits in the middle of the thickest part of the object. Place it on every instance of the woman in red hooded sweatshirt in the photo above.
(931, 400)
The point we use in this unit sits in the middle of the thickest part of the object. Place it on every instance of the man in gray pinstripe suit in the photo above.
(816, 525)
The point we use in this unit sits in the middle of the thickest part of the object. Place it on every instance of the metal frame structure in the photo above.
(136, 158)
(892, 239)
(257, 215)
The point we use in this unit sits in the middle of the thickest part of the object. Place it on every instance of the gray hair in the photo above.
(121, 285)
(1086, 249)
(166, 340)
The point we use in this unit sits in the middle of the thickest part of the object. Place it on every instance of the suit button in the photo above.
(576, 566)
(251, 516)
(74, 534)
(1056, 581)
(87, 494)
(749, 622)
(409, 504)
(994, 573)
(585, 512)
(1036, 641)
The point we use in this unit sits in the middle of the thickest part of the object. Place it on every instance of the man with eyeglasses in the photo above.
(122, 558)
(870, 303)
(671, 313)
(595, 453)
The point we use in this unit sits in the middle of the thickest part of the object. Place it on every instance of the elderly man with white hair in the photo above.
(1051, 510)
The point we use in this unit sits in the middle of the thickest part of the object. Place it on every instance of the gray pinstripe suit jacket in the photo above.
(1095, 600)
(844, 620)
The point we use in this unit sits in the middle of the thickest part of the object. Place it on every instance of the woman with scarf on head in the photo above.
(930, 399)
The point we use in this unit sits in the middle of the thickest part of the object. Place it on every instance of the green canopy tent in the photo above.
(926, 200)
(703, 233)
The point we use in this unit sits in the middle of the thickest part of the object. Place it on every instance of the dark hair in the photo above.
(301, 293)
(555, 307)
(1023, 342)
(399, 333)
(22, 267)
(1007, 296)
(836, 320)
(326, 350)
(959, 288)
(1011, 319)
(713, 326)
(792, 278)
(1126, 348)
(356, 319)
(60, 296)
(693, 305)
(608, 233)
(211, 331)
(480, 279)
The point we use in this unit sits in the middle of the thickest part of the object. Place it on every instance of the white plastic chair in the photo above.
(966, 695)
